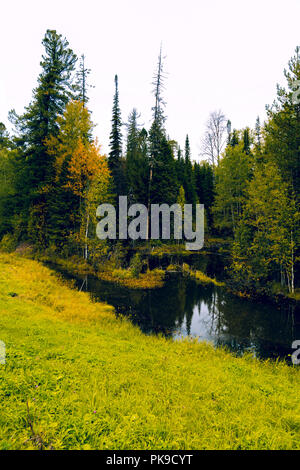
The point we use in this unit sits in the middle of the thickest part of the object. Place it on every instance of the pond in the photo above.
(184, 308)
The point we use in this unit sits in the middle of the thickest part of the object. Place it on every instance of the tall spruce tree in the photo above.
(234, 138)
(189, 185)
(162, 179)
(180, 168)
(232, 177)
(204, 181)
(82, 81)
(55, 88)
(115, 160)
(258, 138)
(247, 140)
(282, 136)
(137, 163)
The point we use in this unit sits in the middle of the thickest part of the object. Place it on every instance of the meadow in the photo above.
(76, 377)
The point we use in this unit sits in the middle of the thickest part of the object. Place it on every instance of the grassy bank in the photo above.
(199, 276)
(123, 276)
(77, 378)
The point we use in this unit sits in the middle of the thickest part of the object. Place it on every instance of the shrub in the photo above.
(136, 265)
(8, 243)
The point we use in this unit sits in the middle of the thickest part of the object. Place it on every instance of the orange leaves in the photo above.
(80, 169)
(86, 165)
(73, 151)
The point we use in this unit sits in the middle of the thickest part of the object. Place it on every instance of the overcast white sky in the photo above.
(219, 54)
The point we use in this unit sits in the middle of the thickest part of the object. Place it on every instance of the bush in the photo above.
(8, 243)
(136, 265)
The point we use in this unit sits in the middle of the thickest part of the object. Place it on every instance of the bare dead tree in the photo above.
(215, 137)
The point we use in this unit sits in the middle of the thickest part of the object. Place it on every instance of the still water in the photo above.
(184, 308)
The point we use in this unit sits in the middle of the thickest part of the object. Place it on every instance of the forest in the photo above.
(144, 344)
(53, 176)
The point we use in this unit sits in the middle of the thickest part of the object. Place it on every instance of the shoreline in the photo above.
(90, 380)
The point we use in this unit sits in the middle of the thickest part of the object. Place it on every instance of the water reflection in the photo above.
(182, 308)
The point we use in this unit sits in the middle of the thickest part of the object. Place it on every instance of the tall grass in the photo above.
(78, 378)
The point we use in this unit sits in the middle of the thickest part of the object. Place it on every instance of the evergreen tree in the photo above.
(82, 81)
(181, 198)
(283, 127)
(137, 170)
(162, 178)
(234, 140)
(81, 175)
(4, 137)
(164, 188)
(246, 140)
(55, 88)
(180, 168)
(189, 182)
(258, 139)
(64, 204)
(7, 182)
(204, 182)
(232, 177)
(264, 248)
(115, 155)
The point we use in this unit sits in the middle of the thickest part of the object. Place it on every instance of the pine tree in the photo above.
(204, 182)
(283, 127)
(4, 137)
(264, 248)
(82, 81)
(246, 140)
(137, 169)
(258, 135)
(180, 168)
(189, 182)
(81, 173)
(162, 177)
(115, 155)
(232, 177)
(64, 204)
(234, 140)
(55, 88)
(157, 131)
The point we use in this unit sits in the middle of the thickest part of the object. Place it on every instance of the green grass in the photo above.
(199, 276)
(125, 277)
(77, 378)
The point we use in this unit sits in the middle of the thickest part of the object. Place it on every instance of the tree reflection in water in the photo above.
(184, 308)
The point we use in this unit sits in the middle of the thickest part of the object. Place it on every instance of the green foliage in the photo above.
(115, 162)
(8, 243)
(199, 276)
(35, 165)
(164, 186)
(136, 265)
(204, 181)
(282, 131)
(137, 163)
(232, 176)
(181, 198)
(8, 162)
(82, 81)
(52, 176)
(265, 240)
(189, 181)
